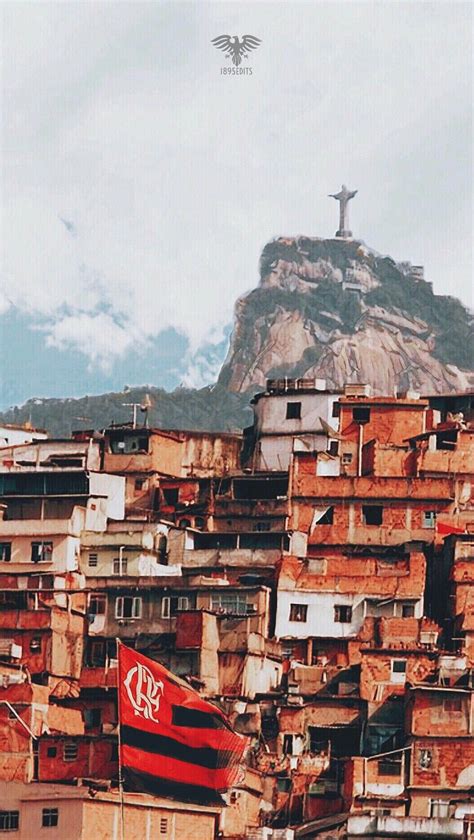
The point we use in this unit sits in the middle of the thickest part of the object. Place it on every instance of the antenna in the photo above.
(144, 406)
(133, 405)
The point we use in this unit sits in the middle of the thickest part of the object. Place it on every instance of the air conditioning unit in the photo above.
(9, 649)
(428, 637)
(358, 390)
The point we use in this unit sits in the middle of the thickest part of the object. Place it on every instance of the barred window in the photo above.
(9, 820)
(50, 817)
(70, 751)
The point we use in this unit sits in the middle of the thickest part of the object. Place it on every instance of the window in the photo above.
(342, 614)
(70, 751)
(452, 704)
(425, 759)
(447, 440)
(293, 411)
(298, 612)
(140, 484)
(35, 644)
(99, 652)
(232, 603)
(171, 496)
(50, 817)
(120, 566)
(283, 784)
(372, 514)
(163, 825)
(97, 603)
(9, 820)
(390, 766)
(408, 610)
(398, 671)
(262, 526)
(429, 518)
(41, 552)
(288, 648)
(92, 718)
(5, 552)
(336, 409)
(327, 518)
(166, 607)
(93, 559)
(287, 744)
(333, 447)
(52, 752)
(127, 606)
(439, 808)
(361, 414)
(171, 604)
(347, 458)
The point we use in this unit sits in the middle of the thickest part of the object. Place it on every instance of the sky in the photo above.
(140, 183)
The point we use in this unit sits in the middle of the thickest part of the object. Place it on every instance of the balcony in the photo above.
(370, 487)
(403, 827)
(37, 528)
(442, 461)
(24, 619)
(210, 557)
(225, 506)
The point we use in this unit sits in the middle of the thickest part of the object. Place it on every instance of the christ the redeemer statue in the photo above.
(343, 198)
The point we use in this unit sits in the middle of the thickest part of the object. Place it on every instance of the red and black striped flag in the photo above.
(172, 741)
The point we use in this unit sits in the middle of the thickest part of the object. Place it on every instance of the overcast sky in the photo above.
(140, 184)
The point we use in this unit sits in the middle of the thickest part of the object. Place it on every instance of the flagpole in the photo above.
(120, 769)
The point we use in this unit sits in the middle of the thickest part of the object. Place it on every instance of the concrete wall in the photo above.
(38, 454)
(270, 412)
(321, 612)
(65, 554)
(82, 817)
(101, 821)
(451, 763)
(11, 436)
(378, 681)
(113, 487)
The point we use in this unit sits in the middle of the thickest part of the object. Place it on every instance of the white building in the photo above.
(303, 614)
(291, 413)
(12, 435)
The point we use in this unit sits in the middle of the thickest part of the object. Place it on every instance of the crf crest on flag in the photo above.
(173, 741)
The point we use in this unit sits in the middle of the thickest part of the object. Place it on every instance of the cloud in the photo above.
(140, 184)
(97, 336)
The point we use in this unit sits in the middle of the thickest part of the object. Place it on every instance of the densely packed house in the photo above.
(313, 576)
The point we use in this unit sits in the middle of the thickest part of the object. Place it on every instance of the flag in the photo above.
(172, 742)
(446, 528)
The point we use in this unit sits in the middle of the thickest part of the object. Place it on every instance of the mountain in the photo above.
(212, 409)
(334, 309)
(327, 308)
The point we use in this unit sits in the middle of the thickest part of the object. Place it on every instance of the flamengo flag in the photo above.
(172, 741)
(446, 528)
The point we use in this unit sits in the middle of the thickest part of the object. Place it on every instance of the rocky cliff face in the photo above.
(334, 309)
(324, 308)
